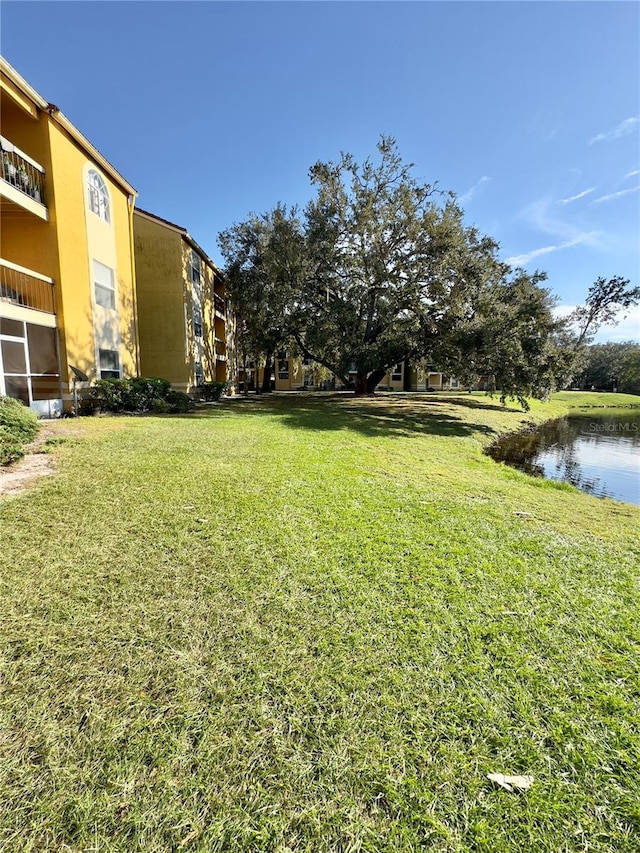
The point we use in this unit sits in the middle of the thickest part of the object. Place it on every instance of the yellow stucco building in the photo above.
(67, 277)
(292, 373)
(181, 305)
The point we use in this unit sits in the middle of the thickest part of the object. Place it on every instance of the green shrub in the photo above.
(18, 419)
(141, 393)
(10, 447)
(18, 425)
(179, 402)
(110, 394)
(212, 391)
(160, 407)
(134, 395)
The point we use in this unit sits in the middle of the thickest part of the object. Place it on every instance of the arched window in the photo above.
(98, 195)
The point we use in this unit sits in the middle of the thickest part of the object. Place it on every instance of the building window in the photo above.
(104, 286)
(397, 372)
(454, 383)
(199, 373)
(98, 195)
(197, 322)
(109, 364)
(196, 269)
(283, 365)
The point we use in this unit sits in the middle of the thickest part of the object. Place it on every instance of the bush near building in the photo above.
(18, 426)
(211, 392)
(138, 395)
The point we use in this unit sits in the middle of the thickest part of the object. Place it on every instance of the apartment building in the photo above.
(67, 294)
(181, 305)
(292, 373)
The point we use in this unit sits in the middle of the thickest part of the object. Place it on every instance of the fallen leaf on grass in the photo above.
(511, 783)
(188, 839)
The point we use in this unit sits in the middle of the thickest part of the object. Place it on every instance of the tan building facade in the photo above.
(292, 373)
(181, 305)
(67, 279)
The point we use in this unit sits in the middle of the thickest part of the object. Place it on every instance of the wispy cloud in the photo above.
(612, 196)
(523, 260)
(576, 197)
(622, 129)
(632, 174)
(542, 216)
(466, 197)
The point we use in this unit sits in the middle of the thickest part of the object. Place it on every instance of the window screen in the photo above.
(109, 364)
(13, 358)
(43, 357)
(103, 283)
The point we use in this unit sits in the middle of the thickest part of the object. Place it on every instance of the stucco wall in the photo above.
(161, 311)
(82, 237)
(64, 245)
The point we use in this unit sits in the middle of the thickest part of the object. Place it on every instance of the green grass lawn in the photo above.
(315, 624)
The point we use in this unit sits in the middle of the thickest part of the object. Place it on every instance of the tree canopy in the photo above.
(603, 305)
(265, 256)
(392, 267)
(611, 365)
(381, 267)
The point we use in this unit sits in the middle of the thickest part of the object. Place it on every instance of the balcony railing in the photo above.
(27, 288)
(218, 303)
(19, 170)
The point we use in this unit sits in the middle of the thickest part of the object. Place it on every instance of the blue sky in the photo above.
(530, 112)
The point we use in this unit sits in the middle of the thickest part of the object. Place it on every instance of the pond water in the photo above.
(598, 453)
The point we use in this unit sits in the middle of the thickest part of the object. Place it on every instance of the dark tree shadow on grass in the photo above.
(371, 416)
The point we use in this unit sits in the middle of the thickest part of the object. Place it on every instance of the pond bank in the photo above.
(596, 450)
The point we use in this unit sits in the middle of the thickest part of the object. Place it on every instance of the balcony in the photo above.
(26, 288)
(21, 180)
(221, 351)
(219, 306)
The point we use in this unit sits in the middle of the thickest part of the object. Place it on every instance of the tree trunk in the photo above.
(374, 378)
(361, 385)
(366, 385)
(266, 379)
(245, 384)
(406, 385)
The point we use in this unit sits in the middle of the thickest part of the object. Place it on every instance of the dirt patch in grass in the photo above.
(23, 474)
(37, 462)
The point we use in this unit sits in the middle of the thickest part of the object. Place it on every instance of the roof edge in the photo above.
(183, 232)
(148, 215)
(19, 81)
(59, 117)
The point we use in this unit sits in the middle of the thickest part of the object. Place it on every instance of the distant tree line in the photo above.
(611, 366)
(380, 268)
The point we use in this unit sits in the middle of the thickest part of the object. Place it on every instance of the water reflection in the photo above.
(599, 454)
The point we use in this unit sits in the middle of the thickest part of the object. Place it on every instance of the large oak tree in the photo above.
(381, 268)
